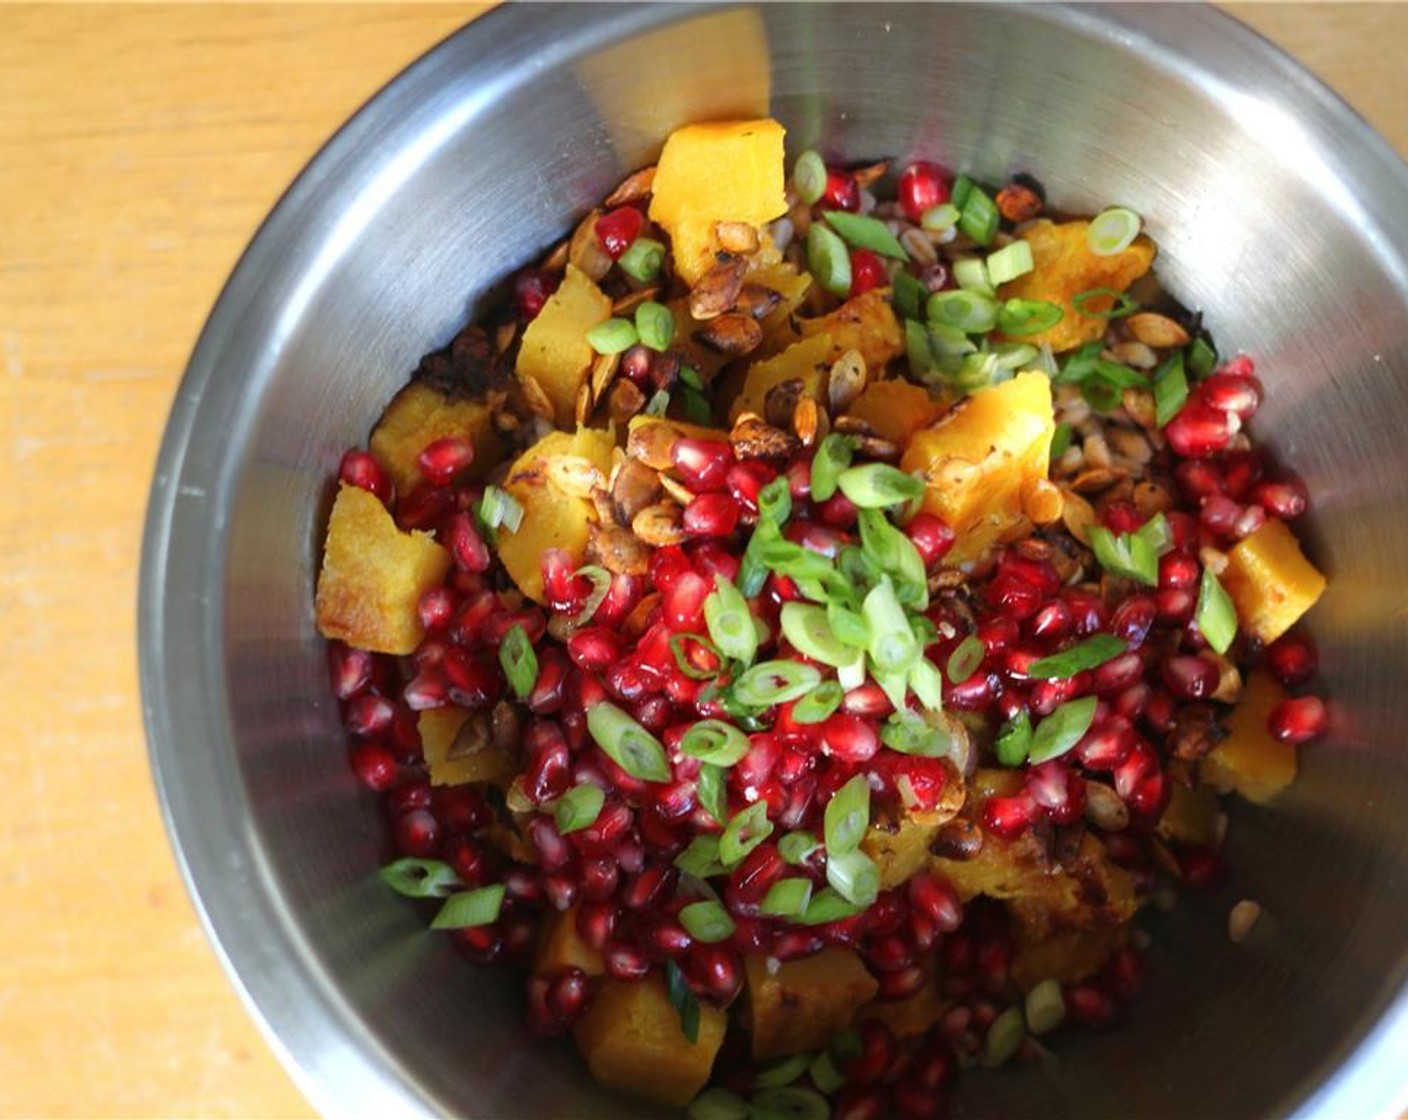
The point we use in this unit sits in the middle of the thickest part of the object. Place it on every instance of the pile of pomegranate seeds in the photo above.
(706, 743)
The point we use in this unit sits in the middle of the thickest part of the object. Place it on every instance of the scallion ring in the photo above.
(1112, 231)
(1021, 317)
(970, 312)
(775, 682)
(828, 259)
(627, 743)
(715, 742)
(1121, 303)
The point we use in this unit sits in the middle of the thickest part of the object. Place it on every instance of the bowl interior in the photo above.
(1275, 211)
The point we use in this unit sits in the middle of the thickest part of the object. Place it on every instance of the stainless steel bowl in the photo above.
(1276, 210)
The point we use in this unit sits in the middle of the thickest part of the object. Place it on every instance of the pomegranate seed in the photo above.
(878, 1052)
(617, 229)
(720, 970)
(407, 796)
(901, 984)
(360, 469)
(1190, 677)
(460, 807)
(1177, 569)
(1241, 470)
(403, 737)
(1252, 519)
(1240, 366)
(1198, 430)
(913, 1101)
(922, 186)
(1059, 792)
(976, 694)
(663, 938)
(1158, 711)
(595, 921)
(799, 479)
(1199, 479)
(564, 590)
(532, 288)
(436, 609)
(868, 700)
(1203, 868)
(1122, 517)
(1174, 605)
(931, 895)
(712, 558)
(547, 774)
(424, 508)
(867, 271)
(849, 738)
(481, 944)
(416, 833)
(1293, 659)
(374, 766)
(425, 690)
(522, 883)
(1287, 499)
(842, 191)
(552, 850)
(473, 861)
(550, 687)
(857, 1103)
(711, 515)
(931, 535)
(702, 464)
(593, 648)
(473, 683)
(541, 1020)
(1052, 623)
(519, 938)
(1228, 393)
(1298, 720)
(1088, 1005)
(1046, 696)
(349, 670)
(1136, 767)
(1133, 619)
(1130, 703)
(444, 459)
(1009, 817)
(466, 546)
(745, 481)
(1117, 674)
(635, 365)
(683, 607)
(1106, 744)
(560, 891)
(367, 716)
(625, 962)
(1150, 797)
(650, 884)
(998, 634)
(1125, 973)
(794, 945)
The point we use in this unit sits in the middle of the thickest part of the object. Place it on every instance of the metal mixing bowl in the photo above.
(1276, 210)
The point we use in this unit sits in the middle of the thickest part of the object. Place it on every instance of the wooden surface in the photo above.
(139, 149)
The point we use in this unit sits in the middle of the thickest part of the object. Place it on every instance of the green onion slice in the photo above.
(612, 336)
(969, 312)
(775, 501)
(1123, 304)
(854, 876)
(1061, 439)
(1157, 532)
(718, 1104)
(909, 298)
(478, 907)
(1202, 356)
(683, 1000)
(971, 274)
(1004, 1038)
(701, 858)
(1010, 262)
(634, 749)
(1061, 730)
(939, 218)
(828, 260)
(752, 572)
(833, 456)
(963, 662)
(824, 1074)
(680, 647)
(578, 808)
(1021, 317)
(979, 217)
(707, 921)
(600, 579)
(1079, 364)
(520, 663)
(807, 628)
(658, 404)
(848, 627)
(877, 485)
(711, 785)
(1045, 1007)
(819, 704)
(420, 878)
(642, 260)
(1014, 741)
(809, 177)
(910, 733)
(1216, 615)
(783, 1072)
(962, 188)
(655, 325)
(927, 683)
(775, 682)
(1127, 555)
(690, 376)
(730, 621)
(745, 832)
(893, 647)
(1013, 355)
(1101, 395)
(788, 1103)
(795, 847)
(887, 550)
(787, 898)
(847, 816)
(1170, 389)
(865, 232)
(716, 742)
(827, 905)
(696, 407)
(1095, 650)
(1112, 231)
(499, 507)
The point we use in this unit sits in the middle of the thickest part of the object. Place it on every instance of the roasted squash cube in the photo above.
(562, 947)
(896, 409)
(1270, 581)
(1250, 761)
(632, 1041)
(867, 324)
(1064, 267)
(455, 758)
(805, 1003)
(555, 351)
(373, 576)
(1066, 955)
(808, 361)
(551, 517)
(901, 847)
(418, 416)
(1191, 815)
(909, 1017)
(977, 458)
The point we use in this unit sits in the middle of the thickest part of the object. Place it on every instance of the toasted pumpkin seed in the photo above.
(1153, 329)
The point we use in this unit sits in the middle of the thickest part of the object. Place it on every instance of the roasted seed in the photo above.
(676, 489)
(633, 188)
(603, 372)
(617, 550)
(660, 524)
(1194, 733)
(536, 400)
(504, 336)
(960, 839)
(634, 487)
(1136, 354)
(1139, 403)
(866, 176)
(556, 260)
(653, 443)
(573, 475)
(1094, 481)
(806, 420)
(1077, 515)
(919, 247)
(1131, 444)
(737, 237)
(1241, 918)
(1229, 679)
(848, 376)
(626, 306)
(873, 447)
(1034, 549)
(586, 252)
(626, 400)
(732, 333)
(1097, 451)
(1164, 859)
(505, 727)
(604, 506)
(473, 736)
(1213, 560)
(780, 402)
(582, 411)
(717, 290)
(1153, 329)
(1150, 498)
(757, 300)
(946, 579)
(754, 438)
(854, 426)
(1042, 501)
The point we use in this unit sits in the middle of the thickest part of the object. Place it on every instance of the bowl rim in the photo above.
(338, 1065)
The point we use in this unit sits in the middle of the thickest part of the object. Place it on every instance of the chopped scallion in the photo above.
(908, 732)
(827, 905)
(1202, 357)
(613, 336)
(1061, 730)
(927, 683)
(519, 662)
(846, 817)
(775, 501)
(1112, 231)
(783, 1072)
(892, 646)
(775, 682)
(627, 743)
(713, 791)
(877, 485)
(499, 507)
(479, 907)
(1127, 555)
(701, 858)
(795, 847)
(1020, 317)
(854, 876)
(787, 898)
(707, 921)
(655, 325)
(971, 275)
(824, 1074)
(1120, 303)
(828, 260)
(730, 621)
(1216, 615)
(939, 218)
(979, 217)
(680, 645)
(1093, 651)
(718, 1104)
(578, 808)
(714, 741)
(420, 878)
(1170, 389)
(909, 296)
(745, 832)
(865, 232)
(1060, 439)
(969, 312)
(962, 188)
(809, 177)
(600, 579)
(963, 662)
(1010, 262)
(833, 455)
(683, 1000)
(642, 260)
(1014, 741)
(788, 1103)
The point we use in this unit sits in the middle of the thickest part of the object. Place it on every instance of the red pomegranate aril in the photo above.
(842, 192)
(436, 609)
(522, 884)
(1230, 393)
(1106, 744)
(1059, 792)
(719, 969)
(933, 1064)
(998, 634)
(593, 648)
(702, 464)
(796, 944)
(349, 670)
(519, 938)
(1198, 430)
(563, 589)
(1131, 703)
(1124, 973)
(407, 796)
(1137, 765)
(1013, 701)
(460, 807)
(663, 938)
(1121, 517)
(913, 1101)
(933, 896)
(552, 850)
(635, 365)
(595, 921)
(532, 287)
(1298, 720)
(465, 544)
(856, 1102)
(1132, 620)
(474, 862)
(1241, 471)
(549, 689)
(683, 604)
(1174, 605)
(711, 515)
(878, 1052)
(496, 626)
(976, 694)
(931, 535)
(618, 228)
(547, 774)
(541, 1020)
(444, 459)
(1219, 515)
(473, 684)
(625, 962)
(360, 469)
(652, 883)
(714, 558)
(1117, 674)
(1052, 623)
(745, 481)
(481, 944)
(849, 738)
(799, 479)
(416, 833)
(1286, 499)
(1293, 659)
(1009, 817)
(901, 984)
(889, 953)
(867, 700)
(1150, 796)
(1198, 479)
(568, 995)
(1045, 697)
(867, 271)
(375, 766)
(1177, 569)
(1088, 1005)
(1190, 677)
(424, 508)
(838, 512)
(367, 716)
(560, 890)
(922, 186)
(1203, 868)
(1158, 712)
(425, 690)
(1012, 597)
(1252, 519)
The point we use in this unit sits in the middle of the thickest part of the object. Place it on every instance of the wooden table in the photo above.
(139, 149)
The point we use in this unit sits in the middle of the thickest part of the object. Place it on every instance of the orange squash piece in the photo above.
(555, 351)
(1249, 761)
(802, 1005)
(1271, 581)
(418, 416)
(896, 409)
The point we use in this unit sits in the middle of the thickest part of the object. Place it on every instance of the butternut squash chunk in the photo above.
(1249, 761)
(418, 416)
(555, 351)
(804, 1004)
(1270, 581)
